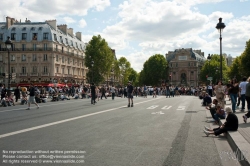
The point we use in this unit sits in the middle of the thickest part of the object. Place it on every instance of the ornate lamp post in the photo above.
(9, 45)
(92, 64)
(220, 26)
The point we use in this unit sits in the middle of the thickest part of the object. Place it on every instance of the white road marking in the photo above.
(181, 107)
(153, 107)
(66, 120)
(40, 106)
(160, 112)
(166, 107)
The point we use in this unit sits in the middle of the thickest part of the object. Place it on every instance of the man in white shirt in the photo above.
(243, 92)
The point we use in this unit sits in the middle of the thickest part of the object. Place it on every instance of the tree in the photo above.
(235, 70)
(98, 52)
(125, 69)
(212, 69)
(154, 70)
(245, 60)
(133, 76)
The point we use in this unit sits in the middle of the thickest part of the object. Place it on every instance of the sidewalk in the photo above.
(238, 140)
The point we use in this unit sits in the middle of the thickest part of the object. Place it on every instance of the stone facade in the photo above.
(43, 52)
(185, 66)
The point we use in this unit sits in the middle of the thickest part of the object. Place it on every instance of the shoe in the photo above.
(132, 105)
(245, 118)
(128, 105)
(28, 109)
(206, 128)
(206, 132)
(38, 107)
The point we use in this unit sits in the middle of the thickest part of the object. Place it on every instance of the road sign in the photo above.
(210, 78)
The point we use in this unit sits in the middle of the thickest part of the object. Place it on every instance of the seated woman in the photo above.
(231, 124)
(10, 100)
(212, 107)
(220, 113)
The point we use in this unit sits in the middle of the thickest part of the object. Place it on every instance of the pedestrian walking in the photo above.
(112, 90)
(130, 90)
(93, 93)
(243, 92)
(32, 96)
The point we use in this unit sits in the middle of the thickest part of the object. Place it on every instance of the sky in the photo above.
(138, 29)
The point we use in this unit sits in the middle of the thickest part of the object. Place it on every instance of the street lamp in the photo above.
(209, 58)
(8, 45)
(92, 64)
(220, 26)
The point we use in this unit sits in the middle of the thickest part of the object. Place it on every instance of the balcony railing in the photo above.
(23, 74)
(33, 74)
(44, 74)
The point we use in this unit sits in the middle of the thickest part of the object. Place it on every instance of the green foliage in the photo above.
(125, 69)
(212, 69)
(154, 70)
(133, 76)
(245, 60)
(235, 69)
(99, 52)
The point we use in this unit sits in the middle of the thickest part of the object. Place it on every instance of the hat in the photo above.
(228, 110)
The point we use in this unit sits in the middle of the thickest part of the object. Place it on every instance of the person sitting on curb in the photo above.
(212, 107)
(231, 124)
(207, 100)
(220, 113)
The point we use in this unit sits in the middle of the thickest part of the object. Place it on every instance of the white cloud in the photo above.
(82, 23)
(69, 20)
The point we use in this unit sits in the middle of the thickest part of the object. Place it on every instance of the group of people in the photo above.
(236, 92)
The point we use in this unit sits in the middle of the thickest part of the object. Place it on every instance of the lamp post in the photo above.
(92, 64)
(220, 26)
(8, 45)
(209, 58)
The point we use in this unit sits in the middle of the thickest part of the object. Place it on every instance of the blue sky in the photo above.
(138, 29)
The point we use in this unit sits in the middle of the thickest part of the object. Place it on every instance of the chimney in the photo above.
(70, 31)
(8, 22)
(79, 35)
(63, 28)
(52, 23)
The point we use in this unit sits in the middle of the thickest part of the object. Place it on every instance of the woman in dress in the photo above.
(219, 91)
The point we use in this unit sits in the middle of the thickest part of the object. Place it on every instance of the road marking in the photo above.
(40, 106)
(181, 107)
(160, 113)
(153, 107)
(66, 120)
(166, 107)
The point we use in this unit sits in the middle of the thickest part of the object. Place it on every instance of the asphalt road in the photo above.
(155, 132)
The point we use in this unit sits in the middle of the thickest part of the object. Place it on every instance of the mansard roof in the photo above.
(193, 53)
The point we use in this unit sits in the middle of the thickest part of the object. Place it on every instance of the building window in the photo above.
(55, 37)
(23, 70)
(45, 57)
(71, 43)
(12, 70)
(1, 58)
(34, 47)
(73, 61)
(76, 45)
(61, 39)
(68, 71)
(1, 36)
(57, 69)
(24, 29)
(33, 28)
(68, 61)
(40, 28)
(34, 69)
(12, 58)
(62, 59)
(45, 69)
(57, 58)
(192, 72)
(13, 47)
(13, 29)
(24, 36)
(62, 49)
(176, 64)
(34, 36)
(23, 57)
(56, 47)
(23, 47)
(62, 70)
(66, 41)
(34, 57)
(45, 36)
(80, 46)
(13, 36)
(45, 47)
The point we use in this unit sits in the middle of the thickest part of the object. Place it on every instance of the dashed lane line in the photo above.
(66, 120)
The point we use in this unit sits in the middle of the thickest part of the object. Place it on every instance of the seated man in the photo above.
(231, 124)
(207, 100)
(212, 107)
(63, 96)
(3, 102)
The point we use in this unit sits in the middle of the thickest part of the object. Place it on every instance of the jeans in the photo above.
(217, 116)
(233, 100)
(243, 99)
(113, 96)
(248, 102)
(167, 93)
